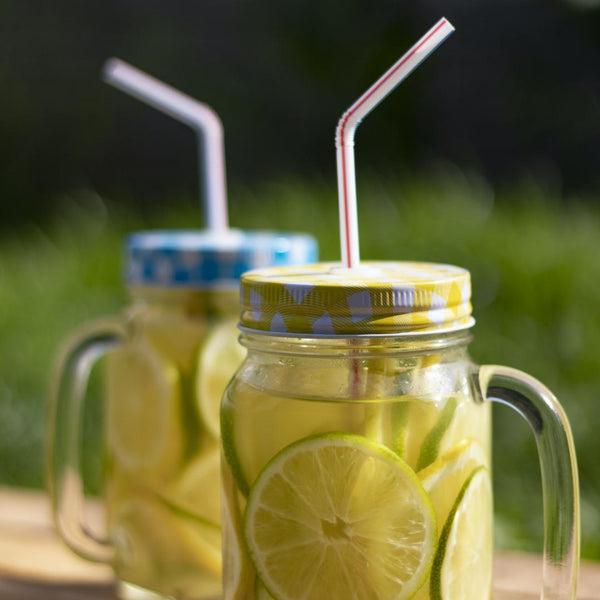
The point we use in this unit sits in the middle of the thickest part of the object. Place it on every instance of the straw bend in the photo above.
(349, 121)
(200, 117)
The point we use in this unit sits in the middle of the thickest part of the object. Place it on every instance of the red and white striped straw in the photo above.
(200, 117)
(344, 135)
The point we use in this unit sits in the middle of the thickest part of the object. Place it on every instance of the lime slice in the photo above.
(339, 516)
(197, 490)
(218, 360)
(161, 551)
(444, 479)
(261, 593)
(238, 576)
(143, 397)
(400, 414)
(431, 444)
(463, 563)
(258, 426)
(424, 430)
(413, 420)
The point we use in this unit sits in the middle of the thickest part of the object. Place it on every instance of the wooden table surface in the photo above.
(35, 565)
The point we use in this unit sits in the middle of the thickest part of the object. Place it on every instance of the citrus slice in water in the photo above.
(339, 516)
(260, 592)
(165, 552)
(462, 567)
(174, 335)
(430, 448)
(197, 490)
(238, 575)
(444, 479)
(471, 420)
(413, 420)
(260, 425)
(218, 359)
(143, 395)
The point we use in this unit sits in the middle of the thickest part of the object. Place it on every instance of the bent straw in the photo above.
(344, 135)
(200, 117)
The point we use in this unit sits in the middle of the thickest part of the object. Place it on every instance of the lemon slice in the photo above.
(197, 490)
(143, 398)
(174, 335)
(444, 479)
(339, 516)
(471, 420)
(162, 551)
(218, 360)
(463, 563)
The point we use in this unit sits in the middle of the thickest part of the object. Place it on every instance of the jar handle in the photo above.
(560, 485)
(67, 398)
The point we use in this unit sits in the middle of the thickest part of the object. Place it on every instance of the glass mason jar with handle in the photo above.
(356, 442)
(168, 359)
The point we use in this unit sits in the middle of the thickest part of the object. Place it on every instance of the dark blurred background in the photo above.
(515, 91)
(486, 157)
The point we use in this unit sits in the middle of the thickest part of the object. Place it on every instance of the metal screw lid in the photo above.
(203, 259)
(385, 298)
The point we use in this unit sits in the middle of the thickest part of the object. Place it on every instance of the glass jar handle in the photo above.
(67, 397)
(536, 403)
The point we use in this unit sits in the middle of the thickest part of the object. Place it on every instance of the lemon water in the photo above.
(351, 476)
(163, 482)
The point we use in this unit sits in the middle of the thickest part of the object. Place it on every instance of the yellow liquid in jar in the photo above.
(163, 462)
(439, 434)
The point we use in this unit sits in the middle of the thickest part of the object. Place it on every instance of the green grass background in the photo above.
(534, 258)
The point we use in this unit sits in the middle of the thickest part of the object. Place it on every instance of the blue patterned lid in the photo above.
(203, 259)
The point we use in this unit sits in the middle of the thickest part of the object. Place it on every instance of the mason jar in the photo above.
(356, 441)
(168, 358)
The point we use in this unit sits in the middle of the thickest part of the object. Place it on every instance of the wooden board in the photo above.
(34, 564)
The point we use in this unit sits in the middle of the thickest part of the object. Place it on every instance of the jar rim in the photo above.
(419, 333)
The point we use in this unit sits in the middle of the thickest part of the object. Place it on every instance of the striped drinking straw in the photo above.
(200, 117)
(344, 136)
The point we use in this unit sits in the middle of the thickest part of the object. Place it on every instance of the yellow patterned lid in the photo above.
(326, 299)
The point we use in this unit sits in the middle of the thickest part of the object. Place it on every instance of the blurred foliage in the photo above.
(535, 267)
(501, 96)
